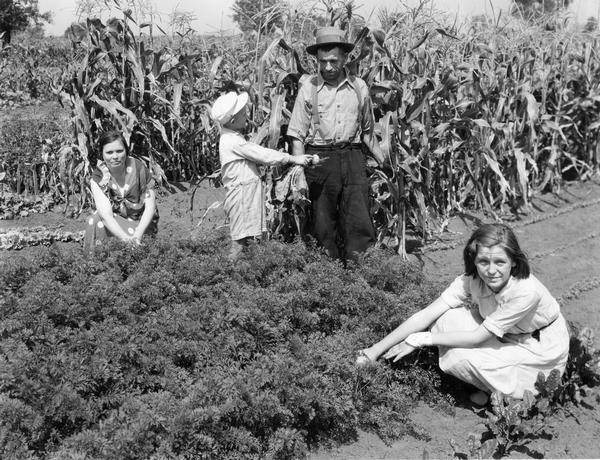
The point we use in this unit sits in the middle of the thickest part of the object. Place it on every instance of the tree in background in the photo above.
(18, 15)
(89, 9)
(141, 11)
(76, 32)
(591, 24)
(261, 16)
(532, 9)
(181, 22)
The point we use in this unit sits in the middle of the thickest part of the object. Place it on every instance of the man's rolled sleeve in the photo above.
(300, 119)
(368, 118)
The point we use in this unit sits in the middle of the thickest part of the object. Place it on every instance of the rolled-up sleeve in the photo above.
(301, 113)
(458, 292)
(368, 119)
(511, 311)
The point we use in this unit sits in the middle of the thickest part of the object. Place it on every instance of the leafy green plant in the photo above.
(154, 97)
(475, 448)
(169, 351)
(28, 157)
(513, 423)
(18, 238)
(30, 71)
(480, 119)
(583, 367)
(15, 205)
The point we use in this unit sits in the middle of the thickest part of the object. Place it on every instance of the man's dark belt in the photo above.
(337, 146)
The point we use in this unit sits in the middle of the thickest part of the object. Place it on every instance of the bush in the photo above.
(169, 351)
(29, 72)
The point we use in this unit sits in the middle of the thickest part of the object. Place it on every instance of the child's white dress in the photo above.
(245, 200)
(510, 361)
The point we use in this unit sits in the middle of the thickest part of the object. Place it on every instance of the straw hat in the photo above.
(227, 105)
(329, 36)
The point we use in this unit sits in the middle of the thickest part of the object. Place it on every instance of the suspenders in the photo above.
(316, 122)
(314, 82)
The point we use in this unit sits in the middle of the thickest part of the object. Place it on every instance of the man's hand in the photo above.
(302, 160)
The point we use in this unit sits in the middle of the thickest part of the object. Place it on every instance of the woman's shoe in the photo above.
(479, 398)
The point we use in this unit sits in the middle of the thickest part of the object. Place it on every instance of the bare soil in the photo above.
(561, 235)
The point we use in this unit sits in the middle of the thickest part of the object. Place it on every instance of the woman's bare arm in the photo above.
(417, 322)
(104, 209)
(147, 215)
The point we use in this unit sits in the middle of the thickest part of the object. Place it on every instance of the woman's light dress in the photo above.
(530, 334)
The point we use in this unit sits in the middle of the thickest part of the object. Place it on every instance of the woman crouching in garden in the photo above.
(123, 196)
(516, 331)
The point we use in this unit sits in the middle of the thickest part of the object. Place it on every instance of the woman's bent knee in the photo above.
(457, 319)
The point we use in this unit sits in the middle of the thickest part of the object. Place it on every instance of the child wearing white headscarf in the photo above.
(245, 200)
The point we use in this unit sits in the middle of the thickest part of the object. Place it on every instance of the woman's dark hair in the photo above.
(489, 235)
(110, 136)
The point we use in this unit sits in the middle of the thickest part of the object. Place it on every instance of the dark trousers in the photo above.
(339, 194)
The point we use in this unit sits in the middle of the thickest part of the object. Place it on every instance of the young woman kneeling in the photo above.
(516, 331)
(122, 189)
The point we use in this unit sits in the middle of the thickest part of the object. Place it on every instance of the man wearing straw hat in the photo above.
(333, 118)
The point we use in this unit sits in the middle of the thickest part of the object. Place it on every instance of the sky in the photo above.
(215, 15)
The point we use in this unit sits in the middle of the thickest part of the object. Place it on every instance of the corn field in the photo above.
(479, 119)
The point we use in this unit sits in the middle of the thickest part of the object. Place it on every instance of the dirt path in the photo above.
(562, 238)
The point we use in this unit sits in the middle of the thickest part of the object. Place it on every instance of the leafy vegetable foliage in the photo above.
(512, 424)
(169, 351)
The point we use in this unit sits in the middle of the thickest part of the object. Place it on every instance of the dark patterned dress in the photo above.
(127, 202)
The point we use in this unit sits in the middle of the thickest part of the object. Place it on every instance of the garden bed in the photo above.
(268, 345)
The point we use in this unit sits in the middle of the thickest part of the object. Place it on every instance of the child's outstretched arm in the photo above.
(302, 160)
(265, 156)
